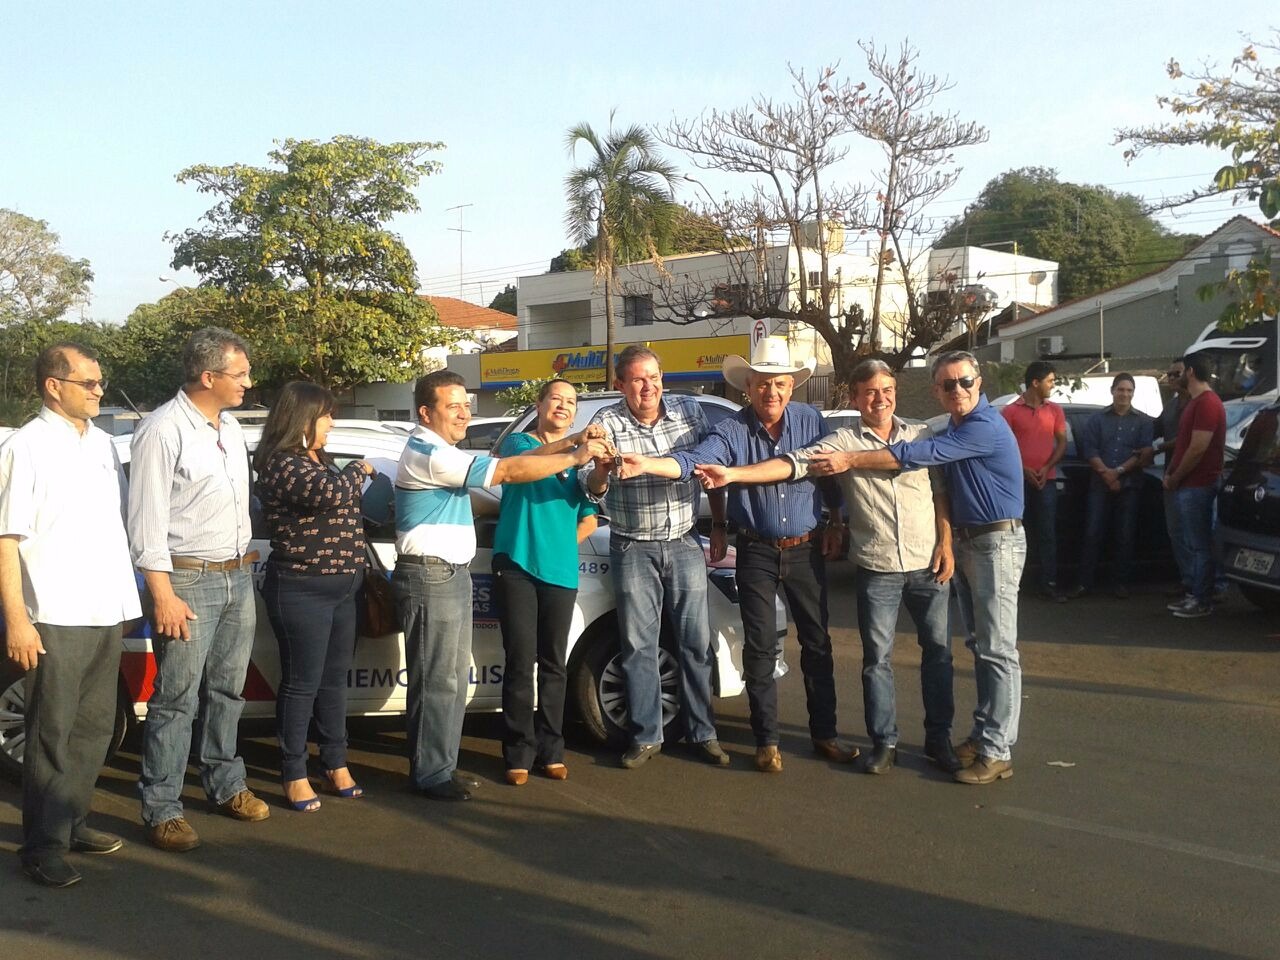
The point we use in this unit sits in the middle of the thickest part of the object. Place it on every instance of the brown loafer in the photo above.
(967, 752)
(835, 751)
(768, 759)
(245, 806)
(517, 778)
(985, 770)
(555, 771)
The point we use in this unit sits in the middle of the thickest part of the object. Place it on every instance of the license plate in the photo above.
(1253, 561)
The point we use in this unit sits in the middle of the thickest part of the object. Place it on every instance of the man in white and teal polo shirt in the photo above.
(436, 540)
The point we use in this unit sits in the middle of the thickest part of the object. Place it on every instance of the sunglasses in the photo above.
(964, 383)
(89, 385)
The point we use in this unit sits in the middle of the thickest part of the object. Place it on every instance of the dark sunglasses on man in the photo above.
(964, 383)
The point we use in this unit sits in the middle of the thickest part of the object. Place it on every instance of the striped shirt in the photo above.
(789, 508)
(433, 507)
(652, 508)
(188, 487)
(62, 496)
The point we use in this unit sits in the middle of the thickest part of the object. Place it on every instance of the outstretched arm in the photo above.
(714, 476)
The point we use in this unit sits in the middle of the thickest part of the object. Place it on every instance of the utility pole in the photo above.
(460, 231)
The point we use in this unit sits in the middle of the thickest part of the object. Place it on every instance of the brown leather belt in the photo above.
(782, 543)
(999, 526)
(213, 566)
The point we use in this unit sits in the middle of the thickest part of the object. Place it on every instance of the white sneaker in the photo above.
(1179, 603)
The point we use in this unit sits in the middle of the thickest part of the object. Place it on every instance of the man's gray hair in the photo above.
(870, 368)
(207, 350)
(633, 353)
(954, 356)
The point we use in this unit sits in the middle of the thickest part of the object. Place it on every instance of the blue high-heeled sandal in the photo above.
(309, 805)
(353, 792)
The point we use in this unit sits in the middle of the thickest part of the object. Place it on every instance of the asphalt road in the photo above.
(1141, 822)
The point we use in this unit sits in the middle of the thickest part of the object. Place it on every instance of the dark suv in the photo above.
(1247, 539)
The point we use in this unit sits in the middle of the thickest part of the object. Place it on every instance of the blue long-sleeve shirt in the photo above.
(789, 508)
(979, 457)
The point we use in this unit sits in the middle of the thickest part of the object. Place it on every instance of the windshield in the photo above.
(1260, 443)
(1237, 372)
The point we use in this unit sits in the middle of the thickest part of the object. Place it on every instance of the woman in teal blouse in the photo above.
(535, 566)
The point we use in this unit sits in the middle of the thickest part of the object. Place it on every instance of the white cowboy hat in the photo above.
(770, 356)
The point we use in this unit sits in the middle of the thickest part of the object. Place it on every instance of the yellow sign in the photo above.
(699, 358)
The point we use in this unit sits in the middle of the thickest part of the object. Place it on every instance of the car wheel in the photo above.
(13, 717)
(13, 713)
(1261, 597)
(600, 692)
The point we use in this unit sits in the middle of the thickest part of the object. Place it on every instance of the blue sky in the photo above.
(106, 102)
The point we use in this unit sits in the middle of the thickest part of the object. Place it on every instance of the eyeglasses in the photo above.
(964, 383)
(1173, 374)
(242, 377)
(90, 385)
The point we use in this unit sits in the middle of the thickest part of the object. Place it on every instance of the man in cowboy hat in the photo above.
(782, 541)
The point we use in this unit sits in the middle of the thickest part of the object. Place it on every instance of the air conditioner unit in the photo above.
(1050, 346)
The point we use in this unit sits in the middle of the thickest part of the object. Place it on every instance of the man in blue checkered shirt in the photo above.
(656, 558)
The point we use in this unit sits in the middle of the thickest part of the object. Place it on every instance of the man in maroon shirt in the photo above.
(1041, 431)
(1193, 479)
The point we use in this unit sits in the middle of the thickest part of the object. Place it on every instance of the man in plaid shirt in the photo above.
(656, 557)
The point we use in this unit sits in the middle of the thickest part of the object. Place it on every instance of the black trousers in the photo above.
(801, 571)
(535, 618)
(71, 706)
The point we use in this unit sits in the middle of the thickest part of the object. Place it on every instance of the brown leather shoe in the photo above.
(967, 752)
(245, 806)
(555, 771)
(985, 770)
(175, 836)
(768, 759)
(835, 751)
(517, 778)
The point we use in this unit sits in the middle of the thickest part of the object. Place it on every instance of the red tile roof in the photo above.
(461, 315)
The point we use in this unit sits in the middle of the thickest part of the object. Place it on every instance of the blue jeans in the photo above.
(989, 567)
(1042, 520)
(204, 676)
(802, 573)
(1121, 508)
(433, 602)
(650, 577)
(1173, 527)
(314, 619)
(880, 596)
(1195, 508)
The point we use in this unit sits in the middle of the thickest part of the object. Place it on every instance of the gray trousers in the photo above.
(71, 706)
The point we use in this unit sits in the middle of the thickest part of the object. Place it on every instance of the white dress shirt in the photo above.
(62, 495)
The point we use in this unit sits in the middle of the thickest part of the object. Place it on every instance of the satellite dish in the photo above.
(1036, 278)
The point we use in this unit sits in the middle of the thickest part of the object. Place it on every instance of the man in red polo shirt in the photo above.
(1193, 479)
(1041, 430)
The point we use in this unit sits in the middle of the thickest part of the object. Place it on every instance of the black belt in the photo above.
(968, 533)
(428, 561)
(781, 543)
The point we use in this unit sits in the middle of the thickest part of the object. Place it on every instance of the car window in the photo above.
(1261, 444)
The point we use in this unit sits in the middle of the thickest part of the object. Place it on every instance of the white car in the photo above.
(377, 681)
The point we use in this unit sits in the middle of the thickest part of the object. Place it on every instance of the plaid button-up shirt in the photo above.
(652, 508)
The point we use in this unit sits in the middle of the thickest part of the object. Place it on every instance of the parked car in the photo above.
(841, 418)
(1247, 536)
(377, 681)
(483, 433)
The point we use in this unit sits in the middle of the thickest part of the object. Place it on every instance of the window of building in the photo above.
(394, 415)
(637, 311)
(815, 278)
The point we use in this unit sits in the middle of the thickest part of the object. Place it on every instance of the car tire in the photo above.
(1261, 597)
(13, 715)
(599, 692)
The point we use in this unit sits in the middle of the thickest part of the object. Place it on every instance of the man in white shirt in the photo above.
(189, 536)
(62, 511)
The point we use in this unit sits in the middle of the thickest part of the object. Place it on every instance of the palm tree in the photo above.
(615, 201)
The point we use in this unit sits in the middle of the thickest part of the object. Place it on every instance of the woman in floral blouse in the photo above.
(315, 570)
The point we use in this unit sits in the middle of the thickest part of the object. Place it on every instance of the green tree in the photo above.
(616, 197)
(506, 300)
(1236, 110)
(1098, 237)
(675, 229)
(304, 250)
(38, 284)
